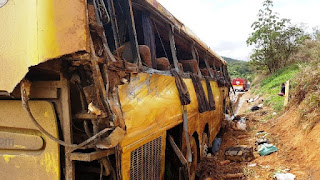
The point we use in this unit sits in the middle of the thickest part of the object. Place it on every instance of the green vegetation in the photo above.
(275, 40)
(270, 86)
(239, 68)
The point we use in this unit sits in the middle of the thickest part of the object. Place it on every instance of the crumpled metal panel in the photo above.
(34, 31)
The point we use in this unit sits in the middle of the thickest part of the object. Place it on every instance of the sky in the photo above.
(225, 25)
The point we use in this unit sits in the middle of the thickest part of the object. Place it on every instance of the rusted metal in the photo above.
(182, 159)
(66, 125)
(85, 115)
(173, 49)
(114, 23)
(127, 8)
(88, 157)
(194, 55)
(186, 133)
(208, 66)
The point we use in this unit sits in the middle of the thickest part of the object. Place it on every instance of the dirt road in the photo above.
(292, 156)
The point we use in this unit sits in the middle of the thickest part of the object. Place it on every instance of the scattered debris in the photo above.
(216, 145)
(239, 124)
(284, 176)
(113, 139)
(261, 141)
(94, 110)
(255, 108)
(233, 176)
(225, 162)
(239, 153)
(266, 149)
(252, 99)
(228, 117)
(252, 165)
(242, 136)
(274, 113)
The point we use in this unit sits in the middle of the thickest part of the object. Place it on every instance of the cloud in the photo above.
(224, 25)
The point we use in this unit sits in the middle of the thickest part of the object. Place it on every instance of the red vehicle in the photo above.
(239, 84)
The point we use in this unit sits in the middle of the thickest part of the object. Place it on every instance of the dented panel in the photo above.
(34, 31)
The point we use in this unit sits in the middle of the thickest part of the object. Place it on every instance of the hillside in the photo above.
(238, 68)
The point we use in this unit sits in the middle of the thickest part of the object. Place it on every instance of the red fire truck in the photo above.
(239, 84)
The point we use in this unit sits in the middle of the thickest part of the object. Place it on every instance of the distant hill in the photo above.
(238, 68)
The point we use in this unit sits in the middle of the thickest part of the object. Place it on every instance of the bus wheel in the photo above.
(204, 146)
(193, 164)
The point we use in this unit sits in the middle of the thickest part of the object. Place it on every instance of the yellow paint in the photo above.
(19, 146)
(7, 157)
(34, 164)
(50, 163)
(34, 31)
(151, 106)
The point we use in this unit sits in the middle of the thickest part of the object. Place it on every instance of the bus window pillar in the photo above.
(195, 56)
(173, 48)
(208, 66)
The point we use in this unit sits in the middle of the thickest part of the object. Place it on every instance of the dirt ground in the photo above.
(297, 149)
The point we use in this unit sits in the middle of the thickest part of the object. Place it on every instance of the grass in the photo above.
(270, 86)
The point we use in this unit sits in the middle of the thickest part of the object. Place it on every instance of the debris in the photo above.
(208, 178)
(232, 176)
(242, 136)
(222, 163)
(228, 117)
(274, 113)
(94, 110)
(261, 141)
(216, 145)
(254, 108)
(260, 105)
(239, 153)
(124, 81)
(240, 125)
(252, 165)
(113, 139)
(252, 99)
(266, 149)
(209, 155)
(260, 132)
(284, 176)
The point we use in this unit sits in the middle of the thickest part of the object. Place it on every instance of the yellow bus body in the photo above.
(151, 106)
(34, 31)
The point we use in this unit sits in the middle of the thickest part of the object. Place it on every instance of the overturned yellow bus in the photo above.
(105, 89)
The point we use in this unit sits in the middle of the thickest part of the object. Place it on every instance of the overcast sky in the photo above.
(226, 24)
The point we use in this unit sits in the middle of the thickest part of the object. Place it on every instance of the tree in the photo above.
(274, 39)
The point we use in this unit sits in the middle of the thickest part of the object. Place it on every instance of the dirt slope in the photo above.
(299, 150)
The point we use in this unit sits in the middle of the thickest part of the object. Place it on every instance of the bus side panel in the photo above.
(145, 159)
(25, 153)
(34, 31)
